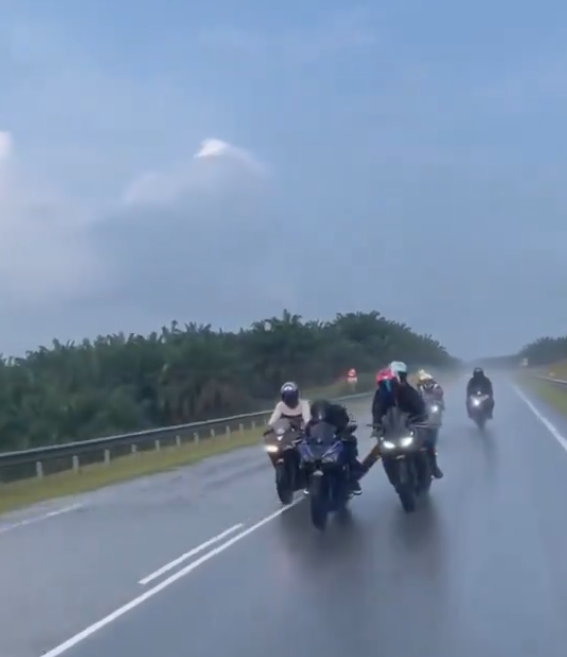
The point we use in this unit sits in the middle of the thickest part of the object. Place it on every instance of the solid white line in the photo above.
(188, 555)
(136, 602)
(546, 423)
(46, 516)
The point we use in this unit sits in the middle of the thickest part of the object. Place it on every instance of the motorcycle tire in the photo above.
(284, 485)
(318, 500)
(406, 488)
(407, 498)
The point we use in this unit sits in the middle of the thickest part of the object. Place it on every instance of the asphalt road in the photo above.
(480, 569)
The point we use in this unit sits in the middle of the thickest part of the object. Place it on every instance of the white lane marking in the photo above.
(45, 516)
(546, 423)
(136, 602)
(188, 555)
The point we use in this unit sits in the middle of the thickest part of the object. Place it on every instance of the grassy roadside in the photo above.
(551, 394)
(19, 494)
(30, 491)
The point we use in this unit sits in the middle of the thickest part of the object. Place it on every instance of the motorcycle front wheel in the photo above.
(284, 484)
(406, 488)
(318, 499)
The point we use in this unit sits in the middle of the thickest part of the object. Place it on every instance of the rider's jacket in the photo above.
(431, 387)
(480, 384)
(405, 397)
(283, 411)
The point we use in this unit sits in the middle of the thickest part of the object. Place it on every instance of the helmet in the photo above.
(478, 372)
(320, 409)
(400, 370)
(423, 376)
(383, 375)
(290, 394)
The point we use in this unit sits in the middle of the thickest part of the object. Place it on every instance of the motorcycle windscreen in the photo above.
(322, 437)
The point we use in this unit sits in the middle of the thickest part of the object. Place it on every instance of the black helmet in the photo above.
(320, 409)
(478, 372)
(290, 394)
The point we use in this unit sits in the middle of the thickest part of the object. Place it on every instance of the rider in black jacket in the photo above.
(323, 410)
(396, 391)
(480, 383)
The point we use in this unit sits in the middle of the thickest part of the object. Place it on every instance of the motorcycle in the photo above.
(477, 408)
(405, 458)
(281, 446)
(434, 412)
(327, 474)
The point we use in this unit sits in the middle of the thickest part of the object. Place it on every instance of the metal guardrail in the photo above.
(551, 379)
(41, 461)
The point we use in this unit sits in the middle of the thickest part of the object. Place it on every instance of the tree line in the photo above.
(118, 383)
(544, 351)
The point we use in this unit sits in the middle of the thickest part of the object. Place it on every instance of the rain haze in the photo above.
(219, 161)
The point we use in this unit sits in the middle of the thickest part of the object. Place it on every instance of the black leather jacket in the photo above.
(405, 396)
(480, 384)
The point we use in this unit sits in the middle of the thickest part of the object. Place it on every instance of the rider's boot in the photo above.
(436, 470)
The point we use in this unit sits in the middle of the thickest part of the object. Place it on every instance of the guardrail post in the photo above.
(253, 424)
(241, 428)
(76, 464)
(213, 434)
(134, 448)
(196, 438)
(39, 469)
(178, 441)
(158, 445)
(106, 457)
(228, 433)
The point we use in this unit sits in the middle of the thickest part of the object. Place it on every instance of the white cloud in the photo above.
(215, 166)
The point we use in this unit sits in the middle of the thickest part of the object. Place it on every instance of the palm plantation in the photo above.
(120, 383)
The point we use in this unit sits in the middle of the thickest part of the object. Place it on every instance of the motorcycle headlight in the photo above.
(476, 402)
(406, 442)
(272, 449)
(435, 408)
(388, 444)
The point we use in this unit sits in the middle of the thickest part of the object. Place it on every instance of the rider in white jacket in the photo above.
(291, 407)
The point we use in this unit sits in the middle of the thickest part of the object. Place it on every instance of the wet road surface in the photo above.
(479, 569)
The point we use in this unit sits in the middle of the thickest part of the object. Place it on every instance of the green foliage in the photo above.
(545, 351)
(117, 384)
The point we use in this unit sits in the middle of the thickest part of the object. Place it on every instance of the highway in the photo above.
(479, 570)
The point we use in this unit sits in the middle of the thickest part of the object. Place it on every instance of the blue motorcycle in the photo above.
(323, 460)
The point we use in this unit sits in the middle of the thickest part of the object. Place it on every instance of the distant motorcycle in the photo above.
(327, 475)
(478, 408)
(405, 457)
(281, 445)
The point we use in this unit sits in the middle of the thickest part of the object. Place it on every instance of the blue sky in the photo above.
(408, 157)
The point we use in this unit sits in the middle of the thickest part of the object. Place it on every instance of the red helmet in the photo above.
(384, 374)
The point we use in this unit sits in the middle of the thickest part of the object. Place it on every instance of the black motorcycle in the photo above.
(478, 408)
(281, 446)
(405, 457)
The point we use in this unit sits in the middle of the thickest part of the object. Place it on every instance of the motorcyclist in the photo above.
(480, 383)
(429, 387)
(323, 410)
(291, 407)
(396, 390)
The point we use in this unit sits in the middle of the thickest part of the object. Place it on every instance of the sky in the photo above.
(218, 161)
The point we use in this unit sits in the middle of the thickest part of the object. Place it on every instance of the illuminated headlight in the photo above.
(388, 444)
(435, 408)
(407, 441)
(476, 402)
(272, 449)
